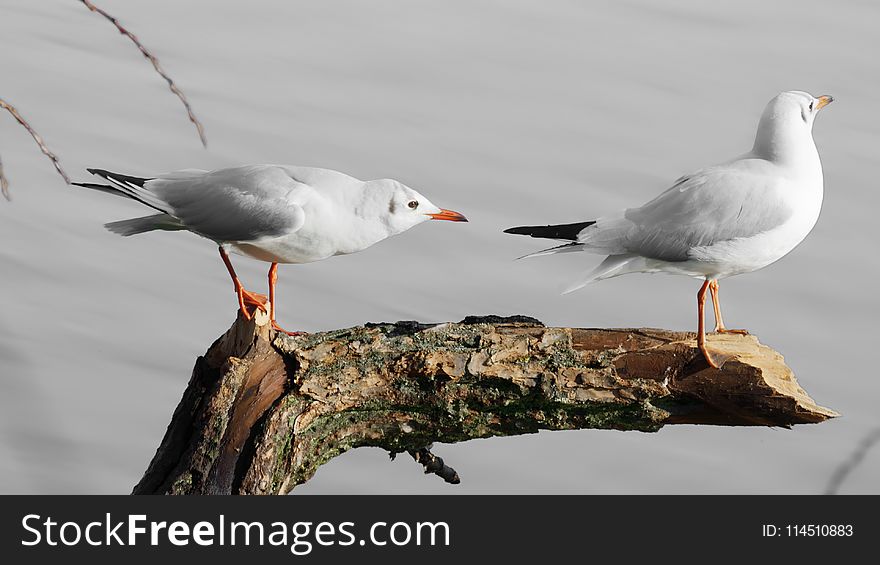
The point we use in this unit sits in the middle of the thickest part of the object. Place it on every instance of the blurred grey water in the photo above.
(509, 111)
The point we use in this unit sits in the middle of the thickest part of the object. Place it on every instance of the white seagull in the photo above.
(732, 218)
(274, 213)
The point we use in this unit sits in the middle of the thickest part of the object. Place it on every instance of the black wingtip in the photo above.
(119, 178)
(558, 231)
(99, 172)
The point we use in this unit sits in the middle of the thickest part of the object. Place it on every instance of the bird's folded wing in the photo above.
(238, 204)
(710, 206)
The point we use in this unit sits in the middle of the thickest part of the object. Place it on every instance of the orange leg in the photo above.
(716, 304)
(701, 325)
(247, 301)
(273, 278)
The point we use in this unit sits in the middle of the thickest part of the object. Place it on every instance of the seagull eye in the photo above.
(413, 204)
(811, 105)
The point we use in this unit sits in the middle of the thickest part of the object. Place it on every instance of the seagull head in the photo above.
(401, 207)
(786, 125)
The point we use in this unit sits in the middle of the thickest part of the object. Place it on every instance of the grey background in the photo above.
(508, 111)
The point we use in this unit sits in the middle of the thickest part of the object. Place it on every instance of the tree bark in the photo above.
(264, 410)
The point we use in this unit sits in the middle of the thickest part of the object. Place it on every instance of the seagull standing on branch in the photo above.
(274, 213)
(724, 220)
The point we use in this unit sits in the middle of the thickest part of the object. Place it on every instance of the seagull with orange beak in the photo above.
(724, 220)
(273, 213)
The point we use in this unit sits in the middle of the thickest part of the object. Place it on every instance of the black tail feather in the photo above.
(103, 188)
(559, 231)
(96, 186)
(136, 181)
(121, 185)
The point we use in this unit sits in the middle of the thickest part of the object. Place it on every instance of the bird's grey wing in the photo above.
(237, 204)
(322, 179)
(712, 205)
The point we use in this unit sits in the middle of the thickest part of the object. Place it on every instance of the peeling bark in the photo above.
(263, 410)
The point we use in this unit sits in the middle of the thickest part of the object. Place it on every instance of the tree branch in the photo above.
(435, 465)
(263, 411)
(155, 62)
(853, 461)
(4, 184)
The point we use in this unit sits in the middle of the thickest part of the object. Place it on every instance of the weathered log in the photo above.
(264, 410)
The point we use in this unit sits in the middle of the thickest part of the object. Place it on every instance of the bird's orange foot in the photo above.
(276, 327)
(715, 360)
(723, 330)
(250, 302)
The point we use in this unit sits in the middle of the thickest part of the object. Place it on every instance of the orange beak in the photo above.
(823, 101)
(448, 215)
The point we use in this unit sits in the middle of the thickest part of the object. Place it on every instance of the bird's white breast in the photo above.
(329, 229)
(746, 254)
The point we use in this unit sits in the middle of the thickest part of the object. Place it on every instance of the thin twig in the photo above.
(4, 184)
(11, 109)
(854, 460)
(152, 58)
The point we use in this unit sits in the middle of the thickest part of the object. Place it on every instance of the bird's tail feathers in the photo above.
(558, 231)
(144, 224)
(103, 188)
(612, 266)
(565, 248)
(125, 185)
(126, 181)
